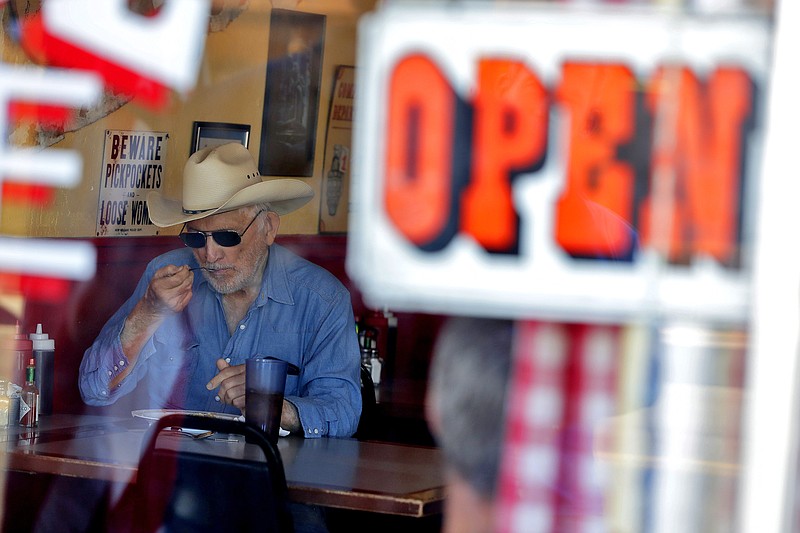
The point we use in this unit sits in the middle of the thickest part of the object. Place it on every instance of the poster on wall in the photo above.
(211, 134)
(291, 94)
(133, 165)
(335, 204)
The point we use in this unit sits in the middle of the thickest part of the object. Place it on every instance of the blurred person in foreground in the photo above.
(465, 408)
(198, 312)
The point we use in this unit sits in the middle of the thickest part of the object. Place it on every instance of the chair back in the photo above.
(180, 490)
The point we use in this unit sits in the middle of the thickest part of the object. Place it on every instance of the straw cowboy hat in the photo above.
(224, 178)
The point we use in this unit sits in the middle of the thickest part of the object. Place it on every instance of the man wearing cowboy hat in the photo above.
(182, 338)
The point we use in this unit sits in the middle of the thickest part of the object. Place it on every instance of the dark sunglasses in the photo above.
(224, 237)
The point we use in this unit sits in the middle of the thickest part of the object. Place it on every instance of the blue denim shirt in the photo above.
(303, 315)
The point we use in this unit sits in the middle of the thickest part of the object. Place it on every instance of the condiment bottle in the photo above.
(29, 398)
(375, 366)
(20, 350)
(384, 324)
(44, 353)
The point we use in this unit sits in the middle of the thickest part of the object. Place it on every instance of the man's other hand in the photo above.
(231, 383)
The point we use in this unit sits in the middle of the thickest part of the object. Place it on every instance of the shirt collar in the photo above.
(275, 285)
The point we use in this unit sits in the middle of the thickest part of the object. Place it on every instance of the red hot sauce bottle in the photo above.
(29, 398)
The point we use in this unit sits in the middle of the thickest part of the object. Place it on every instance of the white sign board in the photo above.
(560, 164)
(133, 165)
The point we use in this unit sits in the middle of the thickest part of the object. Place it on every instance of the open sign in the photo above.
(537, 162)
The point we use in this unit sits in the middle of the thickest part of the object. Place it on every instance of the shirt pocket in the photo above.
(292, 383)
(171, 368)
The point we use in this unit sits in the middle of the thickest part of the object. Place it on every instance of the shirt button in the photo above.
(121, 363)
(104, 393)
(216, 398)
(110, 373)
(242, 326)
(116, 367)
(227, 359)
(316, 431)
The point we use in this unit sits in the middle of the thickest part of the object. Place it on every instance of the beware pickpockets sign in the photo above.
(133, 165)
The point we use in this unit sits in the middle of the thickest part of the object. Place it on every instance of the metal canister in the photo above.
(5, 403)
(13, 409)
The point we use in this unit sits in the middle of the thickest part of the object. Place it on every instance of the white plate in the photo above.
(155, 414)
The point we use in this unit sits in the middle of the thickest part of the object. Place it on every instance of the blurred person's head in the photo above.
(465, 408)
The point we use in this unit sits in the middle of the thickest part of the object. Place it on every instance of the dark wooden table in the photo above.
(371, 476)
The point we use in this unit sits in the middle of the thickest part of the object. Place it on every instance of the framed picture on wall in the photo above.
(291, 94)
(215, 133)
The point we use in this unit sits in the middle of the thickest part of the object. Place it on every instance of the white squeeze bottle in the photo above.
(44, 349)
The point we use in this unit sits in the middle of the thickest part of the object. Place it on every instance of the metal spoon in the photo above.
(195, 436)
(198, 436)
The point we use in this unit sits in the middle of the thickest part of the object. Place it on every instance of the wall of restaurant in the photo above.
(230, 88)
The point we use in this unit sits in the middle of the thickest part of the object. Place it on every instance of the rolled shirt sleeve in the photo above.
(104, 359)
